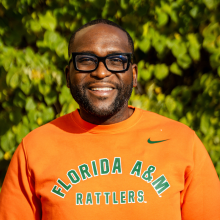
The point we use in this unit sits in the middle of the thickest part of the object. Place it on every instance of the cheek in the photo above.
(78, 78)
(126, 78)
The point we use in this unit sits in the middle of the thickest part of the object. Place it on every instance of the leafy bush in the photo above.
(177, 48)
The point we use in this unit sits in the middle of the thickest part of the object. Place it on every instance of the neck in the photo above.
(122, 115)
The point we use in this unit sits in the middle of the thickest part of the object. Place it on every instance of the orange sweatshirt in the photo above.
(146, 167)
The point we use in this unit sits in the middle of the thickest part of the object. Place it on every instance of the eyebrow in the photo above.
(109, 52)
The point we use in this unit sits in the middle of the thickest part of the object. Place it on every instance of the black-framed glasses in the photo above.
(87, 62)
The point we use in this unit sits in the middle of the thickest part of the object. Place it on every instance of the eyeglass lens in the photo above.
(114, 62)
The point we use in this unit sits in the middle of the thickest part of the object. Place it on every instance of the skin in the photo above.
(102, 39)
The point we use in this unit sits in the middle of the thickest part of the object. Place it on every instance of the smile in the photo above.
(101, 89)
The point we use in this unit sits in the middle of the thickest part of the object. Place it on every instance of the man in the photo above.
(109, 160)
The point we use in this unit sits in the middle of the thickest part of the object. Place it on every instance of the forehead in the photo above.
(101, 39)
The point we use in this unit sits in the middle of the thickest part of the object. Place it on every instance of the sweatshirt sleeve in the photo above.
(17, 198)
(201, 195)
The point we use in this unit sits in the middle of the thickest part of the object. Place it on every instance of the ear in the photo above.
(135, 74)
(67, 73)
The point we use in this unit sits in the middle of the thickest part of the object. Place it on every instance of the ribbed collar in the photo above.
(112, 128)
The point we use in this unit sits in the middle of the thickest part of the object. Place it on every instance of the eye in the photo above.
(117, 60)
(86, 60)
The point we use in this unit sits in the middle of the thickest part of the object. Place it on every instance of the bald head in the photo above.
(89, 30)
(101, 39)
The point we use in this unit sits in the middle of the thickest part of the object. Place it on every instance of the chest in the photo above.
(117, 176)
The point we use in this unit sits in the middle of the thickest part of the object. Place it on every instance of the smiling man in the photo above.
(101, 74)
(108, 160)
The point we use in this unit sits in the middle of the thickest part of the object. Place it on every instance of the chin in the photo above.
(102, 112)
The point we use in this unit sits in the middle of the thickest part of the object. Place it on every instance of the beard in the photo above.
(78, 92)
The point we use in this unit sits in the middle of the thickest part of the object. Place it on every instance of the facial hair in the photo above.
(79, 94)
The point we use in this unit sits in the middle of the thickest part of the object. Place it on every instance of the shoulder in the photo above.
(51, 130)
(154, 120)
(181, 137)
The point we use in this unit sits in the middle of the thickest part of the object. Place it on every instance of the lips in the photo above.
(104, 86)
(101, 89)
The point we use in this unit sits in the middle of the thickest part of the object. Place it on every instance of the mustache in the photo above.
(86, 85)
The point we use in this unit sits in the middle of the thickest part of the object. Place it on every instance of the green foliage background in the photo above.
(177, 48)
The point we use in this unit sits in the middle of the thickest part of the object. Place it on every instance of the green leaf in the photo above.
(23, 130)
(19, 99)
(30, 104)
(14, 81)
(170, 103)
(218, 71)
(141, 64)
(12, 78)
(210, 3)
(25, 120)
(194, 41)
(48, 78)
(4, 119)
(33, 115)
(159, 43)
(29, 55)
(65, 95)
(204, 79)
(205, 123)
(162, 18)
(44, 88)
(124, 4)
(1, 154)
(214, 155)
(48, 114)
(160, 97)
(194, 11)
(144, 45)
(184, 61)
(184, 121)
(174, 16)
(161, 71)
(72, 106)
(15, 116)
(25, 84)
(215, 60)
(186, 95)
(179, 49)
(145, 74)
(51, 97)
(7, 58)
(209, 43)
(174, 68)
(176, 91)
(194, 53)
(52, 39)
(62, 48)
(189, 116)
(145, 71)
(33, 126)
(48, 21)
(35, 26)
(7, 141)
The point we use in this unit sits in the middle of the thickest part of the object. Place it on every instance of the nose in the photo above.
(101, 72)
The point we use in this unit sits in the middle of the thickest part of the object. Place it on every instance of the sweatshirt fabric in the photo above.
(145, 167)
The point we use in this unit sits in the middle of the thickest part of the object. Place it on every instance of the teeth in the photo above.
(101, 89)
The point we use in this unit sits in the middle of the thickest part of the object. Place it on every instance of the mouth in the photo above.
(101, 89)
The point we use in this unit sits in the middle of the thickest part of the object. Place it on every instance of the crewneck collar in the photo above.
(112, 128)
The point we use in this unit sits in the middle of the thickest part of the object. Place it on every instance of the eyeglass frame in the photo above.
(102, 59)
